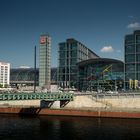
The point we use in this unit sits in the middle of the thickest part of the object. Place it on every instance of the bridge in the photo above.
(37, 96)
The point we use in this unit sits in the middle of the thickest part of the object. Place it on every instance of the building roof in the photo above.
(96, 60)
(72, 40)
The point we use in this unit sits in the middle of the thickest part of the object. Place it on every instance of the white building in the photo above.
(4, 74)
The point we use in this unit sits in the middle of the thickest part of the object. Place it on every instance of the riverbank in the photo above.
(112, 113)
(82, 105)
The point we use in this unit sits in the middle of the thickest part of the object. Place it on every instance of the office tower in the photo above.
(132, 59)
(4, 74)
(44, 61)
(70, 53)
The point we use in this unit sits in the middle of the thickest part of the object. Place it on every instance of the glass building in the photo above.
(70, 53)
(44, 61)
(132, 60)
(26, 76)
(100, 73)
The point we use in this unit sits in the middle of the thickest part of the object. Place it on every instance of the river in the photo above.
(14, 127)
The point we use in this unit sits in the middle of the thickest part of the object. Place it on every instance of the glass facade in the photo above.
(44, 61)
(70, 53)
(26, 76)
(132, 57)
(100, 73)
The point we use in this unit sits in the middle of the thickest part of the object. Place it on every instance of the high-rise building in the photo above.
(132, 58)
(70, 53)
(44, 61)
(4, 74)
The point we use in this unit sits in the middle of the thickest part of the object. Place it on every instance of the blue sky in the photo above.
(99, 24)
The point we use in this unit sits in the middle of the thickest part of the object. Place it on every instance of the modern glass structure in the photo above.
(26, 76)
(70, 53)
(100, 73)
(132, 60)
(44, 61)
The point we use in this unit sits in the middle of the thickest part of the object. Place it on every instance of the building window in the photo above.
(129, 58)
(138, 57)
(130, 49)
(138, 48)
(138, 39)
(130, 67)
(138, 67)
(129, 39)
(130, 76)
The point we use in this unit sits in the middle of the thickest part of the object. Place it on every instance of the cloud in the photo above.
(134, 25)
(107, 49)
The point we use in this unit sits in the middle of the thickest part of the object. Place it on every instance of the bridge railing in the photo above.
(37, 96)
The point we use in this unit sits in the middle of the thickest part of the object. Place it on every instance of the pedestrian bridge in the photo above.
(37, 96)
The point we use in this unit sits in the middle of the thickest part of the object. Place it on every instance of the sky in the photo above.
(99, 24)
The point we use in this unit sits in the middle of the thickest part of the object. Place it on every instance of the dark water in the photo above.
(67, 128)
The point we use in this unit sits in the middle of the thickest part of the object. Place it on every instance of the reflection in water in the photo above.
(63, 128)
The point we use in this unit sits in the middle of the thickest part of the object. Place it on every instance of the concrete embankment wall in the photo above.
(85, 101)
(79, 102)
(92, 102)
(81, 106)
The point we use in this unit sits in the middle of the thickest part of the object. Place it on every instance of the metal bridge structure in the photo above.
(37, 96)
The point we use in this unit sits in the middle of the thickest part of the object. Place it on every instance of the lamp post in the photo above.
(34, 69)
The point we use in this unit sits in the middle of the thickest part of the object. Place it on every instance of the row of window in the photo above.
(131, 39)
(132, 58)
(68, 46)
(67, 70)
(133, 76)
(131, 48)
(65, 62)
(63, 54)
(132, 67)
(66, 77)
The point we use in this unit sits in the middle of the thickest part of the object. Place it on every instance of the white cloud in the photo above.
(107, 49)
(134, 25)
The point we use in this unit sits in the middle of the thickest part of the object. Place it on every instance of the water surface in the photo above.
(14, 127)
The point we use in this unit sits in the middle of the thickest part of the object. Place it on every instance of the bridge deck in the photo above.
(37, 96)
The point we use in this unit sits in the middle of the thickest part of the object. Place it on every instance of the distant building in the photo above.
(44, 61)
(4, 74)
(132, 58)
(70, 53)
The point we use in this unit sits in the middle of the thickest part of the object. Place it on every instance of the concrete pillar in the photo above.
(56, 104)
